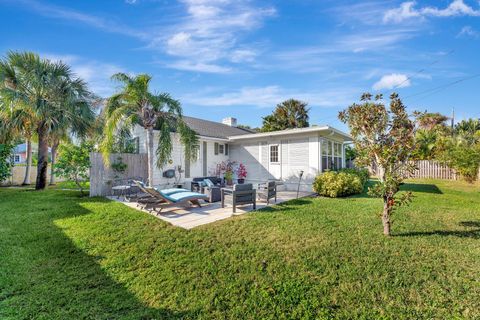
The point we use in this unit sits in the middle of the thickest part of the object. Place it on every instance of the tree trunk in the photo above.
(26, 180)
(386, 216)
(42, 157)
(54, 157)
(150, 155)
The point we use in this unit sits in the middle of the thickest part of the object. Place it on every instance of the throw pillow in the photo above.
(208, 183)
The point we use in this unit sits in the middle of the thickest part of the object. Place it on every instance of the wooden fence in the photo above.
(18, 174)
(103, 177)
(433, 170)
(430, 169)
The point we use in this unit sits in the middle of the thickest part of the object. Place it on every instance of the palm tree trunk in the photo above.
(150, 155)
(54, 158)
(26, 180)
(42, 157)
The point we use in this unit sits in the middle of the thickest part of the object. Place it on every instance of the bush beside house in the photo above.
(342, 183)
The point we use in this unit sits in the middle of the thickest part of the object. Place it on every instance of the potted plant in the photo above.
(241, 173)
(228, 176)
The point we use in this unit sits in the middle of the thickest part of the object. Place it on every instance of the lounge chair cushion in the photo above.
(172, 190)
(182, 196)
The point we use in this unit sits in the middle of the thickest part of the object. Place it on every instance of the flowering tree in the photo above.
(241, 171)
(385, 139)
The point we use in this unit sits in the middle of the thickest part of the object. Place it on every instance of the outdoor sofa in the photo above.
(212, 192)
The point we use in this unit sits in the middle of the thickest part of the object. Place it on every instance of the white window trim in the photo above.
(270, 153)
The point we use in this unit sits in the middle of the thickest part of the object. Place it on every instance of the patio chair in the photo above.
(267, 191)
(173, 199)
(147, 199)
(240, 194)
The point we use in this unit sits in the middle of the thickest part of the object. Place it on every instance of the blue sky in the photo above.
(240, 58)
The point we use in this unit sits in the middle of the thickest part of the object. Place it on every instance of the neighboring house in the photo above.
(278, 155)
(20, 153)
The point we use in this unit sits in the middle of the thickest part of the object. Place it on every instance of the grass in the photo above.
(70, 185)
(63, 256)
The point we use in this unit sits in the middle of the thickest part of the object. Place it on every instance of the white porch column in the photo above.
(320, 155)
(313, 156)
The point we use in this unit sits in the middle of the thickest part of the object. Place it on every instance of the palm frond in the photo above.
(164, 148)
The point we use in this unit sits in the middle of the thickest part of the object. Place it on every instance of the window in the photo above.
(274, 153)
(326, 165)
(338, 156)
(16, 158)
(226, 149)
(331, 155)
(220, 148)
(215, 148)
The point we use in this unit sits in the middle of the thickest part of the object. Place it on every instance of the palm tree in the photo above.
(289, 114)
(426, 142)
(55, 137)
(50, 93)
(468, 128)
(430, 120)
(18, 121)
(135, 104)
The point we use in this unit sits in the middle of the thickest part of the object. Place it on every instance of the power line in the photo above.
(434, 90)
(422, 70)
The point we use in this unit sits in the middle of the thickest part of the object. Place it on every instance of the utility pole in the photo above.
(453, 118)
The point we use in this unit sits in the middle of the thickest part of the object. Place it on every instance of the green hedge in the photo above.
(363, 174)
(340, 183)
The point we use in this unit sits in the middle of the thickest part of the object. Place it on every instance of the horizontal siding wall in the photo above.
(178, 158)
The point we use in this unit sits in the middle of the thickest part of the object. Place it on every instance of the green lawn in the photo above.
(67, 257)
(70, 185)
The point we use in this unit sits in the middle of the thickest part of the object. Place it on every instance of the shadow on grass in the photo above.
(413, 187)
(421, 187)
(50, 277)
(473, 232)
(289, 205)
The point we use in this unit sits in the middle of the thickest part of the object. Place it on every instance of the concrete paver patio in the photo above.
(191, 217)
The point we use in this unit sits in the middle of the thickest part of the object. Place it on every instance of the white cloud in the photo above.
(209, 35)
(97, 74)
(407, 11)
(187, 65)
(243, 55)
(468, 31)
(76, 16)
(390, 81)
(270, 96)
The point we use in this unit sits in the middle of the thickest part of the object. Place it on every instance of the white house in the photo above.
(278, 155)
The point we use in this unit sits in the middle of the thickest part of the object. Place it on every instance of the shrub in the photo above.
(363, 174)
(338, 184)
(5, 161)
(74, 162)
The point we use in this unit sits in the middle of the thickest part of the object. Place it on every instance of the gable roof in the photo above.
(213, 129)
